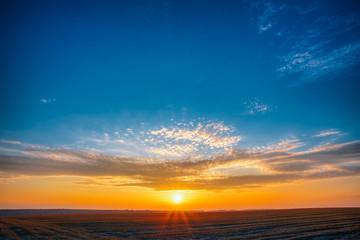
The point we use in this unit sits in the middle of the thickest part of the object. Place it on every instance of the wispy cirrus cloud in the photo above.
(328, 132)
(326, 48)
(10, 142)
(276, 166)
(267, 11)
(265, 21)
(281, 146)
(313, 41)
(313, 63)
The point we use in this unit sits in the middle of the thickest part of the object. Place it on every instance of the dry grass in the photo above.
(267, 224)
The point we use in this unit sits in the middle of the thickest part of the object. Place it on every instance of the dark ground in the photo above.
(340, 223)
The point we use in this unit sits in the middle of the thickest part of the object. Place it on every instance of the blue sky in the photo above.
(179, 79)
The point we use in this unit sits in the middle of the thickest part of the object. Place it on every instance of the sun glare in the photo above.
(177, 198)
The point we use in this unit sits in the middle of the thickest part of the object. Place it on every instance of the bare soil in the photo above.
(340, 223)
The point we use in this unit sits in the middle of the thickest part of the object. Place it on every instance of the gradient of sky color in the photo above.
(254, 104)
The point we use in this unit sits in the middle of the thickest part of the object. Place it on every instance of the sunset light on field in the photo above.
(179, 105)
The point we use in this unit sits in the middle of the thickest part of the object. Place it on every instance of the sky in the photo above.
(233, 104)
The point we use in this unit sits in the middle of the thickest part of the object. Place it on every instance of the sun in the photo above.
(177, 198)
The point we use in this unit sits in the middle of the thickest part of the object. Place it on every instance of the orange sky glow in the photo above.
(60, 192)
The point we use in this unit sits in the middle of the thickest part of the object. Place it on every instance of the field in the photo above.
(341, 223)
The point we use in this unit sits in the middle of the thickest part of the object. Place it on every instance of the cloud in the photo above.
(312, 64)
(255, 106)
(172, 141)
(10, 142)
(174, 150)
(264, 28)
(313, 40)
(282, 146)
(324, 49)
(327, 133)
(277, 166)
(48, 100)
(266, 19)
(183, 139)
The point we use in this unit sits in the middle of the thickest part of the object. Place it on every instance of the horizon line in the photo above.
(164, 210)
